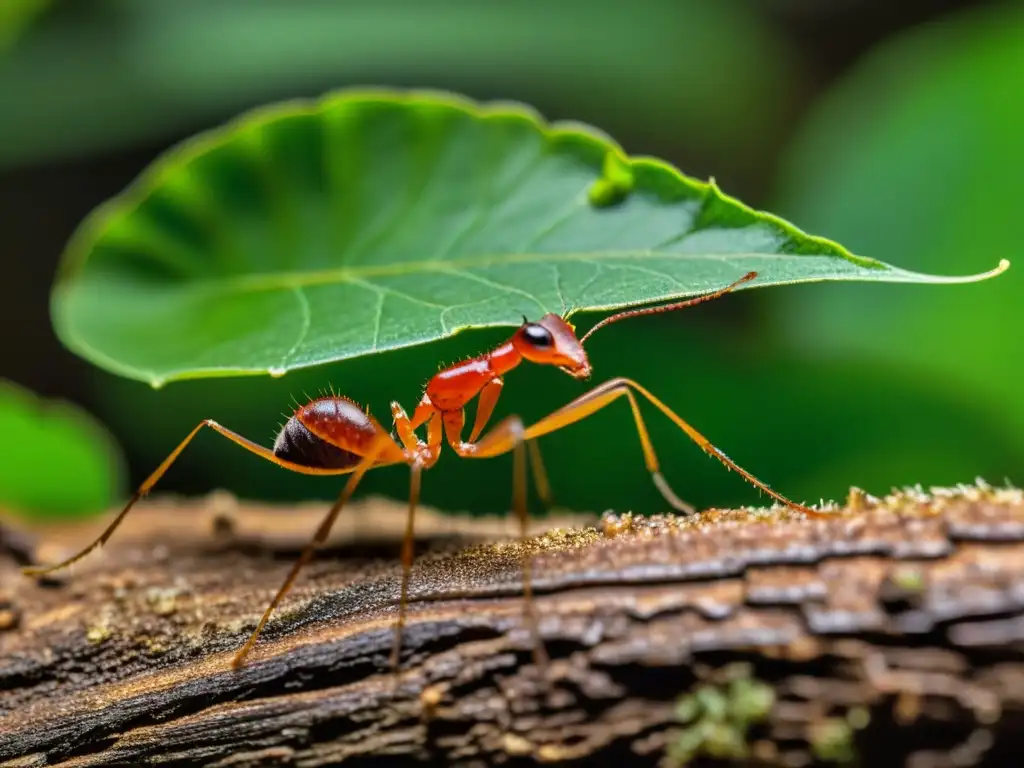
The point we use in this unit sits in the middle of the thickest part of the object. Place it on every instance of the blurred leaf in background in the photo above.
(917, 156)
(58, 462)
(123, 71)
(15, 17)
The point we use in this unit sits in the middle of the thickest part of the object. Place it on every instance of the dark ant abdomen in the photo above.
(330, 433)
(295, 443)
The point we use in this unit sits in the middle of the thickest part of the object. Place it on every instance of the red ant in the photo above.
(334, 436)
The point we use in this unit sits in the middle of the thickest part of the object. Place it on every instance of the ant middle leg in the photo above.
(519, 504)
(408, 552)
(540, 474)
(486, 402)
(512, 430)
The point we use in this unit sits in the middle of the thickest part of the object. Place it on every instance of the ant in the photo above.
(335, 436)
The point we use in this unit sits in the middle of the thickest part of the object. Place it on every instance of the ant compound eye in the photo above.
(538, 335)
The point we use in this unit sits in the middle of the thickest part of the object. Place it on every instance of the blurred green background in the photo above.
(894, 128)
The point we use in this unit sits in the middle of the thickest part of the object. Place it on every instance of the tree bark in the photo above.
(891, 634)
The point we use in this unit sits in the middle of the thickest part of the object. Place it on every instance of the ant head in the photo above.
(552, 341)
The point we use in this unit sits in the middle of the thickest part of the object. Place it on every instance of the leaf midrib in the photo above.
(301, 279)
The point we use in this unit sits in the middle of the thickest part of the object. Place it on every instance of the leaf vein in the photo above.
(485, 211)
(646, 271)
(415, 196)
(598, 269)
(379, 315)
(377, 288)
(443, 317)
(578, 202)
(492, 284)
(347, 274)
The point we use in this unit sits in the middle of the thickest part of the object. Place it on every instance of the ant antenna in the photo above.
(669, 307)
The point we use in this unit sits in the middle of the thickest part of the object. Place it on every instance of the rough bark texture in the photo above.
(892, 634)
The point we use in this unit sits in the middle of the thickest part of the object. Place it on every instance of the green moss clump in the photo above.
(717, 718)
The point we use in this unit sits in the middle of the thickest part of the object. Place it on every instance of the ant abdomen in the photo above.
(327, 433)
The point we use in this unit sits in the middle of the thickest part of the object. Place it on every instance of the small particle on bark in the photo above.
(907, 708)
(164, 602)
(97, 634)
(9, 618)
(612, 524)
(430, 699)
(153, 646)
(909, 579)
(516, 746)
(223, 526)
(555, 753)
(859, 500)
(798, 649)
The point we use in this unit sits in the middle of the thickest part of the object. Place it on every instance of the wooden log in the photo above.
(892, 634)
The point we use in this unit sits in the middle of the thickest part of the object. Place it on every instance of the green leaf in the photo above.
(371, 220)
(59, 461)
(917, 155)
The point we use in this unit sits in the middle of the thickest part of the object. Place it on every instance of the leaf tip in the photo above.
(1004, 264)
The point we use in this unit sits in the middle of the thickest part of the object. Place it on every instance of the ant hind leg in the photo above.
(159, 472)
(322, 532)
(507, 436)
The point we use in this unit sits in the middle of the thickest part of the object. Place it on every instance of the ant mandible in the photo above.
(334, 436)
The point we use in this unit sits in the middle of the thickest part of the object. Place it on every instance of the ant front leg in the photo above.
(497, 442)
(485, 402)
(606, 393)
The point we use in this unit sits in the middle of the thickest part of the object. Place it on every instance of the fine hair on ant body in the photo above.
(334, 436)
